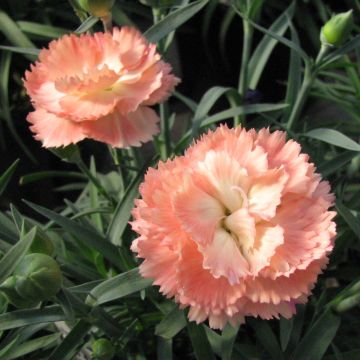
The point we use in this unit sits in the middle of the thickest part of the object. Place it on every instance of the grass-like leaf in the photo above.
(263, 51)
(200, 342)
(89, 236)
(41, 343)
(318, 338)
(69, 347)
(173, 21)
(118, 287)
(6, 176)
(333, 137)
(172, 324)
(10, 260)
(19, 318)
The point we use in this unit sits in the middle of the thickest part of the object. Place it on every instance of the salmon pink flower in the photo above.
(238, 226)
(98, 86)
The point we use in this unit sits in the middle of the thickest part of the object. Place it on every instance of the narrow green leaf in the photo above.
(351, 220)
(69, 347)
(192, 105)
(118, 287)
(8, 347)
(5, 64)
(28, 347)
(10, 260)
(329, 167)
(286, 326)
(338, 53)
(21, 50)
(294, 75)
(316, 340)
(6, 176)
(173, 21)
(36, 176)
(164, 349)
(84, 288)
(228, 338)
(263, 51)
(89, 236)
(333, 137)
(200, 342)
(104, 321)
(123, 210)
(171, 324)
(206, 103)
(20, 318)
(86, 25)
(94, 199)
(280, 39)
(8, 231)
(242, 110)
(46, 31)
(266, 337)
(15, 36)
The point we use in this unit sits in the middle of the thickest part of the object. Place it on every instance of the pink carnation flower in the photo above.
(238, 226)
(98, 86)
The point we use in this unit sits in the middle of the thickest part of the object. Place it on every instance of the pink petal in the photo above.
(54, 131)
(223, 258)
(123, 130)
(242, 226)
(199, 212)
(224, 178)
(268, 238)
(265, 195)
(168, 83)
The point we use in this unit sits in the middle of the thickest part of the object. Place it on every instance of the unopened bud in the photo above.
(103, 349)
(38, 277)
(8, 288)
(337, 30)
(99, 8)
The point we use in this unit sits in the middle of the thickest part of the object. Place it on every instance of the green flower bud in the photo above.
(103, 349)
(99, 8)
(12, 296)
(38, 277)
(337, 30)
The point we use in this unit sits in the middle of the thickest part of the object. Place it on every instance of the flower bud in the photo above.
(336, 31)
(103, 349)
(99, 8)
(37, 277)
(12, 296)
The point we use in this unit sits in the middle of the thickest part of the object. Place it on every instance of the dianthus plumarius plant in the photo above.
(189, 178)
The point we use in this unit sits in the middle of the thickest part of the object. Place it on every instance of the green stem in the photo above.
(165, 146)
(301, 98)
(243, 77)
(81, 165)
(107, 22)
(323, 51)
(311, 71)
(247, 42)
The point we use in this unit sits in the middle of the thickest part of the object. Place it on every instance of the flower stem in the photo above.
(165, 147)
(301, 98)
(243, 77)
(107, 22)
(165, 144)
(81, 165)
(311, 71)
